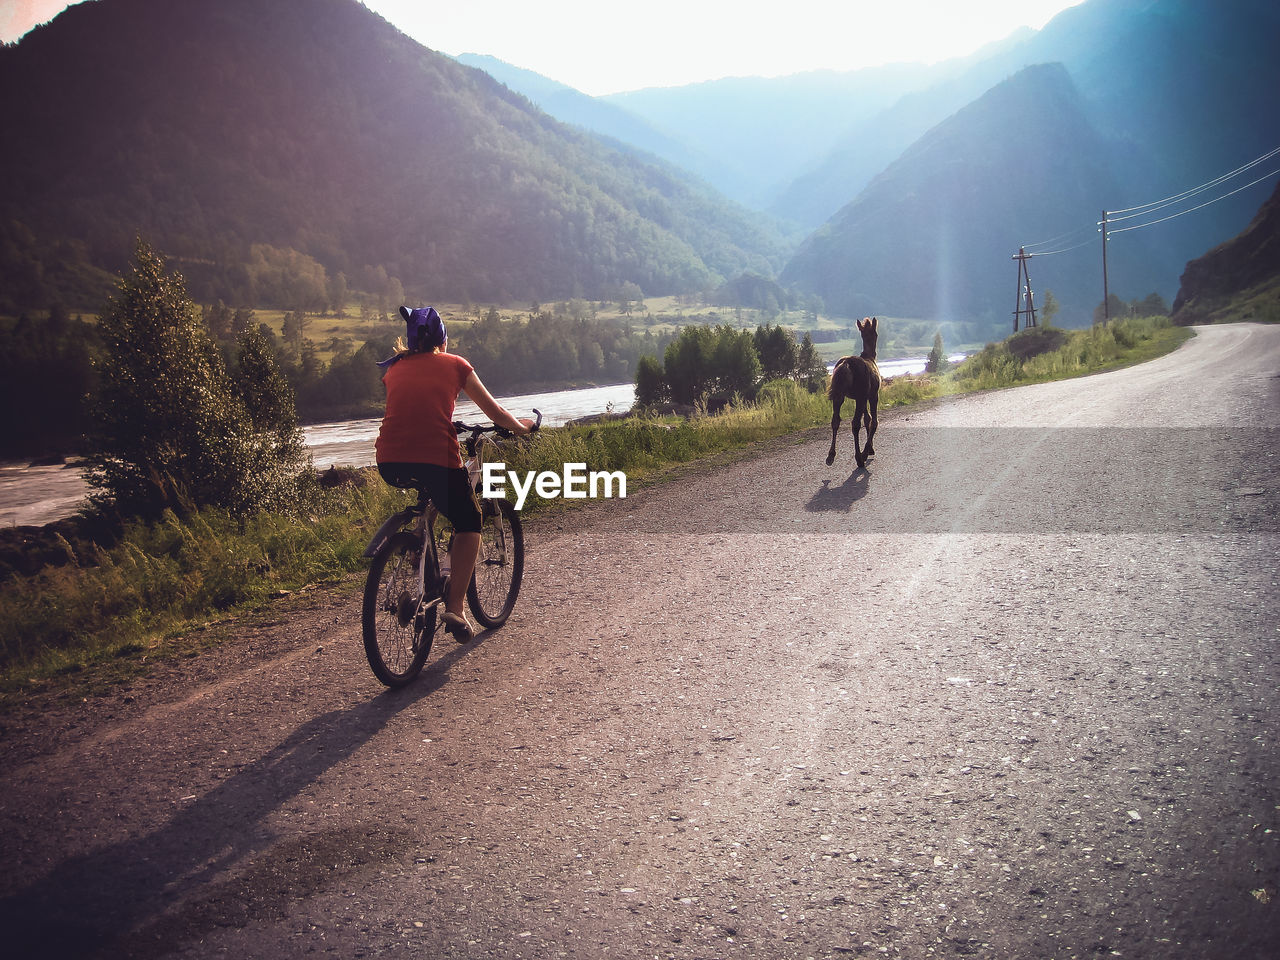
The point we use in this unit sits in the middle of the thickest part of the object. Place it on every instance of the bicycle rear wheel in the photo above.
(500, 565)
(397, 635)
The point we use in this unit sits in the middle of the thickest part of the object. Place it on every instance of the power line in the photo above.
(1082, 243)
(1156, 204)
(1060, 237)
(1139, 226)
(1139, 211)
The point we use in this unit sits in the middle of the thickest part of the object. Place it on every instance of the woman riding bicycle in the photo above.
(417, 446)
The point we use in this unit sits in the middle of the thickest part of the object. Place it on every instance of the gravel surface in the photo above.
(1009, 693)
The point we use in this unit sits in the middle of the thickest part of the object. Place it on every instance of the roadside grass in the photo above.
(112, 610)
(165, 578)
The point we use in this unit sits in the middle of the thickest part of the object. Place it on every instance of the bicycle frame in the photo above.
(429, 559)
(399, 615)
(425, 511)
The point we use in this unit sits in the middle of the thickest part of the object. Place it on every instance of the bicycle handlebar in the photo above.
(480, 428)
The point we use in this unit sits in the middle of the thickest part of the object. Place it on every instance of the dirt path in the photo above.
(1009, 694)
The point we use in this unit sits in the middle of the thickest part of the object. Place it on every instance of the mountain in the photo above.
(933, 234)
(590, 113)
(254, 138)
(1237, 280)
(745, 136)
(750, 136)
(1168, 95)
(1184, 86)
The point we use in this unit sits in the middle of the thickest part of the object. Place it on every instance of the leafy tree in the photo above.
(687, 364)
(651, 383)
(293, 329)
(776, 347)
(811, 371)
(706, 363)
(1049, 308)
(337, 291)
(241, 321)
(629, 292)
(736, 364)
(284, 277)
(752, 290)
(218, 318)
(937, 357)
(169, 429)
(267, 396)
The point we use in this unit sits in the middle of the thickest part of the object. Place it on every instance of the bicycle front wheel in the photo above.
(397, 632)
(500, 565)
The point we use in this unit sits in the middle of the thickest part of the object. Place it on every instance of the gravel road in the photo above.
(1009, 693)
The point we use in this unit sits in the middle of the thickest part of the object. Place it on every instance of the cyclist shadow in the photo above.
(841, 498)
(108, 901)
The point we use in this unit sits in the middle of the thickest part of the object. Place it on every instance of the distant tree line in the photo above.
(544, 348)
(554, 348)
(46, 372)
(47, 365)
(715, 365)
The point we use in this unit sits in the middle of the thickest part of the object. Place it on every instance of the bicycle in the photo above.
(407, 583)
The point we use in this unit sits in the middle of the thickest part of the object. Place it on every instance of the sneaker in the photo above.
(458, 625)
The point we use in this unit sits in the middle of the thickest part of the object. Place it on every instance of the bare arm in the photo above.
(475, 390)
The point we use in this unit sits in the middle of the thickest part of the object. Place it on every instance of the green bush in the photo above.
(170, 429)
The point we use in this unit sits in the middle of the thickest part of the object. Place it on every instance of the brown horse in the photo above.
(857, 378)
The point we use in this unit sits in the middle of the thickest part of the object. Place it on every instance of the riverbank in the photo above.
(114, 607)
(40, 493)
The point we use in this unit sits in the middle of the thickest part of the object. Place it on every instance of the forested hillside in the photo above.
(263, 142)
(282, 153)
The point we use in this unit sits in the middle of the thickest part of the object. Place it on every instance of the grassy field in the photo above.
(110, 611)
(329, 332)
(903, 336)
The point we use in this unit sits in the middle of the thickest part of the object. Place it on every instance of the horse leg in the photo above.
(859, 413)
(872, 402)
(836, 401)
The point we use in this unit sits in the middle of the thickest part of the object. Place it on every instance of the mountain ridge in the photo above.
(314, 126)
(935, 202)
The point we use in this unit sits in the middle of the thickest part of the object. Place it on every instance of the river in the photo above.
(35, 495)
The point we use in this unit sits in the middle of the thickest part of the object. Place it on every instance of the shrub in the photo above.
(169, 430)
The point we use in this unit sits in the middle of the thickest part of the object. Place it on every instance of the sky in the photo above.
(608, 46)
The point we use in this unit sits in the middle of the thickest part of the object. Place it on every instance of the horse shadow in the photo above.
(92, 903)
(841, 498)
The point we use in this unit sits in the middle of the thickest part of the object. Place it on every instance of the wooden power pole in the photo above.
(1025, 304)
(1106, 292)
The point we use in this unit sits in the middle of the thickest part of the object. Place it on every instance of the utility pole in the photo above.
(1106, 292)
(1025, 302)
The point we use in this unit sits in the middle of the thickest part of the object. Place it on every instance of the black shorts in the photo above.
(448, 488)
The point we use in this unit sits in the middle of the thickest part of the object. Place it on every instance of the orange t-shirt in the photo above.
(418, 424)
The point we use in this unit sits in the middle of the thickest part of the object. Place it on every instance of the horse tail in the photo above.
(836, 382)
